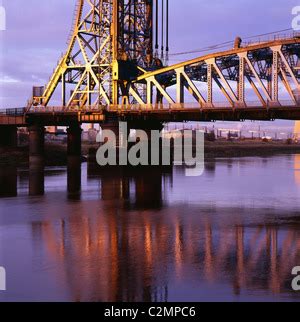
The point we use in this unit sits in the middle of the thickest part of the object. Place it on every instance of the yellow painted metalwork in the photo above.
(218, 55)
(62, 65)
(112, 72)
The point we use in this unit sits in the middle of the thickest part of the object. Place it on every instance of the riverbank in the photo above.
(56, 153)
(245, 148)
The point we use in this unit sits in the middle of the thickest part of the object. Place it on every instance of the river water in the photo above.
(232, 234)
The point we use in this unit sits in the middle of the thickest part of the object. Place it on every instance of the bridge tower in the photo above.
(110, 44)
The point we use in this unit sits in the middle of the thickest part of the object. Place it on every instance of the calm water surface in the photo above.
(232, 234)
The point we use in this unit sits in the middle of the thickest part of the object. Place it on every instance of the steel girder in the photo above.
(109, 62)
(105, 34)
(255, 71)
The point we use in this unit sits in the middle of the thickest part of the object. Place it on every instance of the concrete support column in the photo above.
(36, 145)
(114, 127)
(122, 144)
(8, 136)
(74, 161)
(148, 128)
(74, 140)
(36, 160)
(74, 177)
(36, 179)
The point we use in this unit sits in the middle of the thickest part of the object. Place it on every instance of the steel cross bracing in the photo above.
(109, 65)
(261, 72)
(86, 64)
(110, 40)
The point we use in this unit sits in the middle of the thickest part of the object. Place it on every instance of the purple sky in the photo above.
(37, 32)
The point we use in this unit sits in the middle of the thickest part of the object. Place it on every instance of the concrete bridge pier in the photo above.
(8, 136)
(36, 179)
(74, 160)
(74, 140)
(36, 160)
(122, 138)
(115, 128)
(148, 127)
(36, 145)
(74, 176)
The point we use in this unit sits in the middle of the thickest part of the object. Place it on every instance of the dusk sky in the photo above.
(37, 32)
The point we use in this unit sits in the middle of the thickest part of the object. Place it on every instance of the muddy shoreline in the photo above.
(56, 153)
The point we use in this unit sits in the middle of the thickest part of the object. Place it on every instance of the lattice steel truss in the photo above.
(110, 62)
(110, 40)
(257, 73)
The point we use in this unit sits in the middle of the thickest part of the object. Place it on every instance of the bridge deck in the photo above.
(12, 120)
(63, 117)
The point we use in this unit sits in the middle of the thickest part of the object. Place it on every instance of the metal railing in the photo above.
(276, 37)
(146, 107)
(66, 109)
(216, 105)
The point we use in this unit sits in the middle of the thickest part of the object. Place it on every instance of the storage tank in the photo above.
(37, 91)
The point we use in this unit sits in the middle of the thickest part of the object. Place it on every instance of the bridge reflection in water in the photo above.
(138, 248)
(136, 259)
